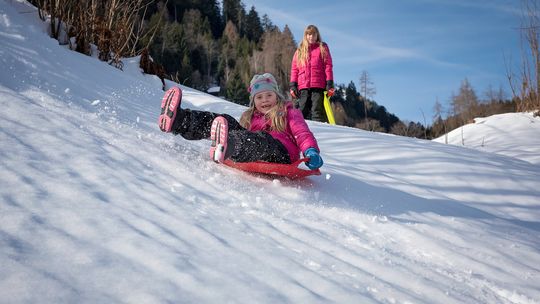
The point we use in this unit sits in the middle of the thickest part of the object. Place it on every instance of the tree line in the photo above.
(524, 83)
(467, 105)
(199, 44)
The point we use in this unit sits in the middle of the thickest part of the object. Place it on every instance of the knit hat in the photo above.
(262, 83)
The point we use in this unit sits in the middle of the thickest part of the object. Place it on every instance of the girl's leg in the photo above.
(195, 125)
(304, 103)
(245, 146)
(317, 105)
(242, 146)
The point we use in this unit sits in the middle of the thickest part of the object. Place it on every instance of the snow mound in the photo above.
(515, 135)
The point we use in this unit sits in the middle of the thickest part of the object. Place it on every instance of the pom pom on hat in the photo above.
(262, 83)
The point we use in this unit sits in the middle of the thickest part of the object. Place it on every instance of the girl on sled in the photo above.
(270, 130)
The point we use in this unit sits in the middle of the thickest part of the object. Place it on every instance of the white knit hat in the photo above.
(262, 83)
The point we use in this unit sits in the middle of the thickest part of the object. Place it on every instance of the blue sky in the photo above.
(416, 51)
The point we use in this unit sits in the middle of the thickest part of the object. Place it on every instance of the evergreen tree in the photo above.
(202, 47)
(386, 120)
(267, 24)
(254, 29)
(183, 75)
(233, 10)
(173, 47)
(236, 90)
(337, 104)
(228, 58)
(351, 94)
(166, 44)
(210, 10)
(347, 97)
(288, 47)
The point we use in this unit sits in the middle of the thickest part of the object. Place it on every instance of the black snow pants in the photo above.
(311, 104)
(242, 145)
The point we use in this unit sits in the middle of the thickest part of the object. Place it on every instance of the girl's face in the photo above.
(311, 37)
(264, 101)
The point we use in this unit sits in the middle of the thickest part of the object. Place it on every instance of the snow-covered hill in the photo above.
(513, 134)
(98, 206)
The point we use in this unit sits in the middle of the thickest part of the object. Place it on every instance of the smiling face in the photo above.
(264, 101)
(311, 37)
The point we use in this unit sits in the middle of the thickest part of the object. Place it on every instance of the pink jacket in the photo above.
(315, 72)
(296, 138)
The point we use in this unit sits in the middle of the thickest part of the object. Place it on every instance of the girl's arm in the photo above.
(300, 130)
(294, 68)
(328, 67)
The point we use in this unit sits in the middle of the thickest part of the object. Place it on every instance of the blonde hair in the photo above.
(303, 47)
(277, 116)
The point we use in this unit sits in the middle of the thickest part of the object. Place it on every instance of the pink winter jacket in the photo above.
(316, 71)
(296, 138)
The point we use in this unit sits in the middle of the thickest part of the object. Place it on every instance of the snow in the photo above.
(495, 134)
(98, 206)
(214, 90)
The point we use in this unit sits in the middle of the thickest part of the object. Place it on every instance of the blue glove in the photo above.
(315, 160)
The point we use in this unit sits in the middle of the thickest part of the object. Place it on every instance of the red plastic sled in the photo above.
(291, 171)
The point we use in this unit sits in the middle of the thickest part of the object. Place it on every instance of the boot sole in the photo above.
(169, 107)
(218, 136)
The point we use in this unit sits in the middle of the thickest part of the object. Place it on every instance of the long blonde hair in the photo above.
(277, 116)
(303, 48)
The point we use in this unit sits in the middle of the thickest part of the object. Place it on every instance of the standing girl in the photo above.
(311, 75)
(269, 130)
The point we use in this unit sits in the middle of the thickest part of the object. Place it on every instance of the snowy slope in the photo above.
(498, 133)
(98, 206)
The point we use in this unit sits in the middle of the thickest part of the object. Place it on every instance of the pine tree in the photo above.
(173, 46)
(351, 94)
(236, 90)
(267, 24)
(233, 10)
(210, 9)
(202, 47)
(254, 29)
(228, 58)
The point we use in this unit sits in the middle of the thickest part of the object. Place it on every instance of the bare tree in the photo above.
(437, 110)
(228, 53)
(277, 49)
(526, 85)
(438, 123)
(112, 25)
(371, 125)
(465, 103)
(367, 90)
(493, 95)
(408, 128)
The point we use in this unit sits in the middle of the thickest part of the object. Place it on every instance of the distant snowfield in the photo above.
(496, 134)
(98, 206)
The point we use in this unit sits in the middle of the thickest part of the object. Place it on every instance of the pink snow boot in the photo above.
(218, 136)
(169, 107)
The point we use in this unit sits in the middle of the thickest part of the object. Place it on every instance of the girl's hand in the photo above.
(330, 88)
(330, 92)
(294, 90)
(315, 160)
